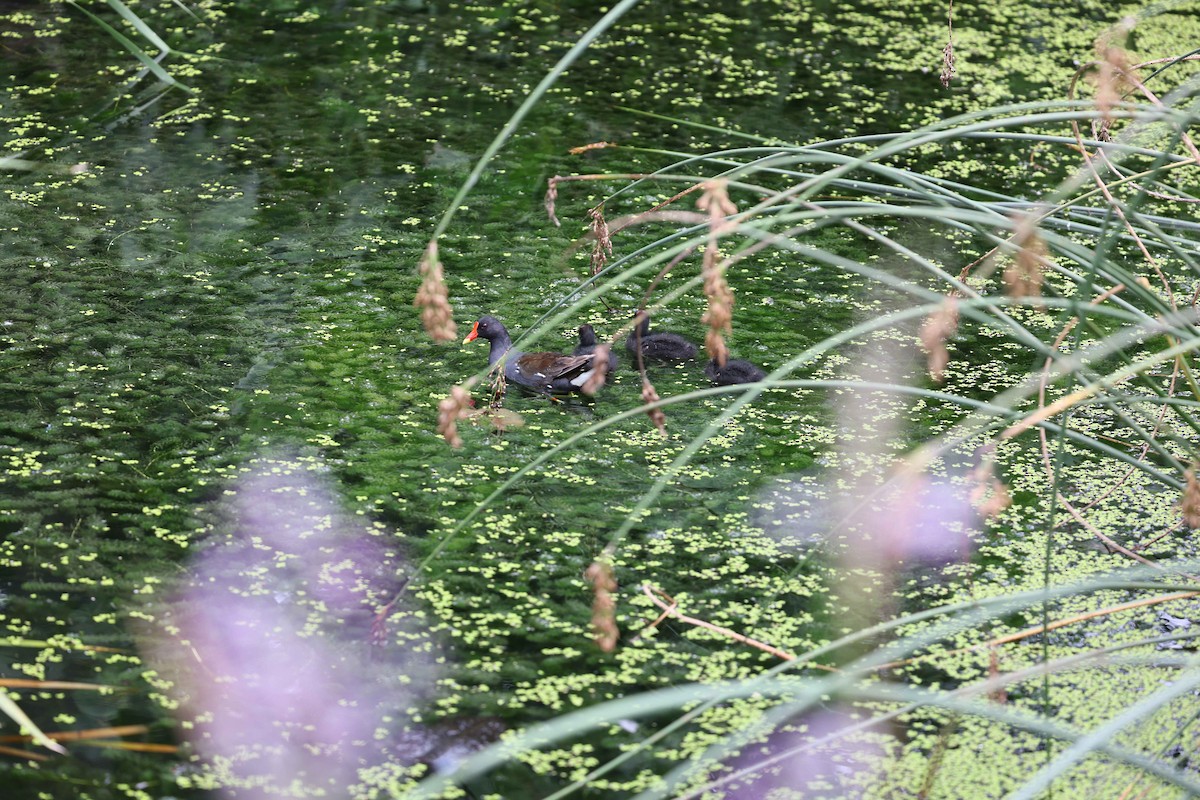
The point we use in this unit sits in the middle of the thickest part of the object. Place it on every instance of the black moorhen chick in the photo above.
(587, 344)
(552, 373)
(658, 346)
(736, 370)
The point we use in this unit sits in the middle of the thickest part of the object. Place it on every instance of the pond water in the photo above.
(209, 347)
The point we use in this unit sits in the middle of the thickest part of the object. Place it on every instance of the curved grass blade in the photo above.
(149, 63)
(10, 707)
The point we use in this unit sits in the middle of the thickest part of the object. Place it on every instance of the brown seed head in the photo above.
(719, 316)
(714, 345)
(989, 495)
(600, 370)
(602, 249)
(434, 300)
(583, 148)
(714, 199)
(1190, 504)
(551, 198)
(948, 69)
(939, 326)
(1023, 277)
(1000, 695)
(450, 410)
(649, 395)
(604, 621)
(1111, 76)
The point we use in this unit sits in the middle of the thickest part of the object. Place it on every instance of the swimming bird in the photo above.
(547, 373)
(658, 346)
(587, 344)
(736, 370)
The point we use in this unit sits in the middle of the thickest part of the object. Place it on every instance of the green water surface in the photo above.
(205, 287)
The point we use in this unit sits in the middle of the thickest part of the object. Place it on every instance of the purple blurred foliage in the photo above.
(806, 759)
(270, 643)
(910, 520)
(918, 520)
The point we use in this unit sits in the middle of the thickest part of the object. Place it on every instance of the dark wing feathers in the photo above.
(554, 365)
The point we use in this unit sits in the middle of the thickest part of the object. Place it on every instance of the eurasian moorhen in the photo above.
(587, 344)
(552, 373)
(658, 346)
(736, 370)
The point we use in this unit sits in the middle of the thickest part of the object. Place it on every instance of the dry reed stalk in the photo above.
(85, 735)
(434, 300)
(937, 329)
(649, 395)
(26, 755)
(1189, 505)
(1000, 695)
(583, 148)
(599, 370)
(948, 70)
(552, 187)
(450, 410)
(604, 622)
(602, 248)
(670, 608)
(719, 316)
(1111, 544)
(552, 199)
(1039, 630)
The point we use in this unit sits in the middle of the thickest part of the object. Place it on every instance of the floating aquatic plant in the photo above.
(193, 319)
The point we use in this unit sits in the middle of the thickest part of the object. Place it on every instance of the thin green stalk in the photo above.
(142, 28)
(535, 96)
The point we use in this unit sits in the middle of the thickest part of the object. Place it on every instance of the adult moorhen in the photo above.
(736, 370)
(587, 344)
(547, 373)
(658, 346)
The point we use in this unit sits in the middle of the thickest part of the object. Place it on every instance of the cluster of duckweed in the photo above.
(1126, 505)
